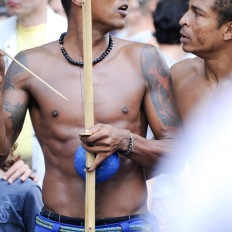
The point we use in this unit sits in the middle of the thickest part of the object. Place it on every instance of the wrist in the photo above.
(130, 145)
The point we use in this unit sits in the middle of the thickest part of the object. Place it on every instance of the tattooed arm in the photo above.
(161, 114)
(13, 108)
(158, 107)
(3, 155)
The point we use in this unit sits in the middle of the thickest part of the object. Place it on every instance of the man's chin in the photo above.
(185, 48)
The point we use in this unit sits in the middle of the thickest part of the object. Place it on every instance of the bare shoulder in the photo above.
(186, 69)
(133, 48)
(143, 57)
(30, 62)
(186, 66)
(41, 54)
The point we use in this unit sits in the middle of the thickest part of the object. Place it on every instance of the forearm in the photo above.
(156, 156)
(4, 145)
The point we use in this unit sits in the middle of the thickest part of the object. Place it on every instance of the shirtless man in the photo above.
(132, 87)
(206, 32)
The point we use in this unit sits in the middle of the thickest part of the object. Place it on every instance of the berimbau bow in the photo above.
(34, 75)
(89, 113)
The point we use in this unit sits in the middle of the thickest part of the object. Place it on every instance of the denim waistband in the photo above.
(81, 222)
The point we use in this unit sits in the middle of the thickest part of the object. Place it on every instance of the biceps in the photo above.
(160, 107)
(14, 113)
(163, 101)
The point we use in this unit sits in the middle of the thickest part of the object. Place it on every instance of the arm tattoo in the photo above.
(160, 86)
(13, 70)
(17, 116)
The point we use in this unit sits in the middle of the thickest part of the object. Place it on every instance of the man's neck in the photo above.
(218, 71)
(75, 40)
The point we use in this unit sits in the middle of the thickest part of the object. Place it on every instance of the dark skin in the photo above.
(132, 87)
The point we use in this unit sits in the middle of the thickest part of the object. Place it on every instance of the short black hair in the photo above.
(166, 20)
(67, 6)
(223, 8)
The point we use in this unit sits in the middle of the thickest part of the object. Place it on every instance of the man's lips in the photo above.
(123, 10)
(183, 38)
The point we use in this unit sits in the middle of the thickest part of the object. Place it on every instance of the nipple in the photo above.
(125, 110)
(55, 113)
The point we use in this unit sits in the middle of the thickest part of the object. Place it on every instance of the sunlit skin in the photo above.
(132, 87)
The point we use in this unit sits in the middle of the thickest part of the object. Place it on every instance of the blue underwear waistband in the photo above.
(137, 225)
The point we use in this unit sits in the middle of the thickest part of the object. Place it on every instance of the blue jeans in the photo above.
(44, 224)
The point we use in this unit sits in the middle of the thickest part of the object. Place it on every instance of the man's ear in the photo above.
(228, 31)
(77, 2)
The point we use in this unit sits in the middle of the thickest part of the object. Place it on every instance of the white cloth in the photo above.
(143, 37)
(55, 25)
(209, 148)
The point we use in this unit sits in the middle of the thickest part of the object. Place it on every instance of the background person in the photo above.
(3, 10)
(139, 26)
(206, 31)
(166, 19)
(20, 202)
(32, 23)
(57, 7)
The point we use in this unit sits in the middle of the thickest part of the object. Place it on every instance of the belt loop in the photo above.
(125, 227)
(55, 227)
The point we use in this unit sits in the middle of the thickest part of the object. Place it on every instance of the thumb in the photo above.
(97, 161)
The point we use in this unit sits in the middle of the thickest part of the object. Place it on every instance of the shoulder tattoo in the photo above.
(13, 69)
(157, 76)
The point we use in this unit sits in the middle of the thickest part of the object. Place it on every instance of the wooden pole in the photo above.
(89, 113)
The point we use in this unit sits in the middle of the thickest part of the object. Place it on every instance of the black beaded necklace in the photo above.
(81, 64)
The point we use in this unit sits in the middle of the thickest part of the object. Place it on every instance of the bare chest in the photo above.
(117, 98)
(193, 95)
